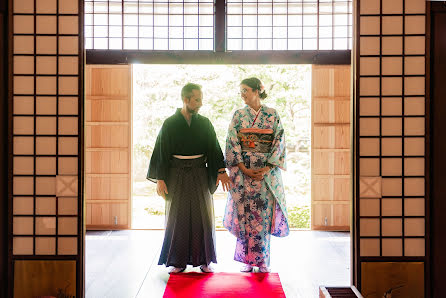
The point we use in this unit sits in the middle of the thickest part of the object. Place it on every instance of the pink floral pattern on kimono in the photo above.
(255, 210)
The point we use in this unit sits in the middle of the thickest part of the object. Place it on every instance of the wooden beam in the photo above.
(220, 26)
(210, 57)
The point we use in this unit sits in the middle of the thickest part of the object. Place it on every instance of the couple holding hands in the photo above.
(188, 164)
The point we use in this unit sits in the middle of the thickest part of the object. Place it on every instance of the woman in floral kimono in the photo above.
(255, 155)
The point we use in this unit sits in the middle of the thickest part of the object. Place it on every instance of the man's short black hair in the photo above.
(188, 88)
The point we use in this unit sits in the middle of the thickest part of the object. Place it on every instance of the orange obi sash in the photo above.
(255, 139)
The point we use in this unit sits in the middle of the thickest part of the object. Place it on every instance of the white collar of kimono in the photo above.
(254, 111)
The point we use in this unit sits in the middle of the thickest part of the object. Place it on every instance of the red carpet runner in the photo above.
(213, 285)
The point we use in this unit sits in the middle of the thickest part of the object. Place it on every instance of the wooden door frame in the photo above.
(187, 58)
(5, 158)
(4, 145)
(325, 57)
(436, 143)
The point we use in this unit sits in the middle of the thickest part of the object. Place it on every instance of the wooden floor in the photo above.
(124, 263)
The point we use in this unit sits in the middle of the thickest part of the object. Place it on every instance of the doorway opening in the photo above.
(156, 95)
(120, 117)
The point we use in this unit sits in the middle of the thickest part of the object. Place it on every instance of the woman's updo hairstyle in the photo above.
(255, 84)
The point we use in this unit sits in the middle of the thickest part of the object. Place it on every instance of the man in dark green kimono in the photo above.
(187, 164)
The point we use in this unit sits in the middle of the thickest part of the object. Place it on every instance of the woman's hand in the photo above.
(263, 171)
(254, 174)
(161, 188)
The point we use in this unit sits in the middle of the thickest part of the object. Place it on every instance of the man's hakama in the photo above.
(190, 236)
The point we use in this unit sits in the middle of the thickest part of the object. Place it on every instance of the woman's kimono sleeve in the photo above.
(233, 153)
(276, 160)
(215, 158)
(277, 154)
(159, 162)
(233, 157)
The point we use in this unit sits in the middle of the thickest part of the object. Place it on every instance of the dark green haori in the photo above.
(190, 230)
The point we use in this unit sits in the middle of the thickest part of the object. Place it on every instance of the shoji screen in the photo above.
(390, 95)
(46, 99)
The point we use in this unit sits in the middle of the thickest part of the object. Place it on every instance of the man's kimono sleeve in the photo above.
(215, 158)
(277, 154)
(159, 162)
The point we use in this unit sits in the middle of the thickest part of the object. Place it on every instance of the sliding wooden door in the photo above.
(331, 152)
(108, 146)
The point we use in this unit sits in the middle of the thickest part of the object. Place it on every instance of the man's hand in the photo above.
(161, 188)
(225, 182)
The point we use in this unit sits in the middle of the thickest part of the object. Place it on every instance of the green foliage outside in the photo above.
(299, 217)
(156, 95)
(154, 211)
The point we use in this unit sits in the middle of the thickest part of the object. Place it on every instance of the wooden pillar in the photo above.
(3, 148)
(438, 148)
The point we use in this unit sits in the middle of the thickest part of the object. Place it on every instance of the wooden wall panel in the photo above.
(322, 187)
(108, 146)
(107, 110)
(108, 81)
(107, 188)
(331, 153)
(119, 211)
(331, 137)
(342, 161)
(341, 188)
(107, 214)
(320, 215)
(104, 136)
(100, 214)
(335, 110)
(341, 215)
(107, 162)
